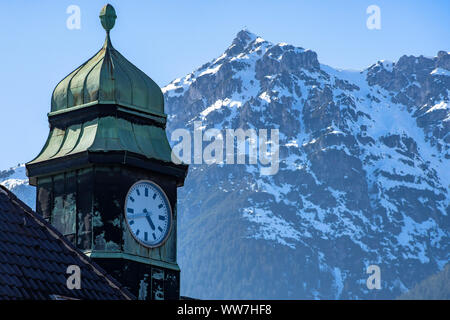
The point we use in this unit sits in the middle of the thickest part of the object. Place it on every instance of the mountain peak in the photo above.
(241, 41)
(245, 36)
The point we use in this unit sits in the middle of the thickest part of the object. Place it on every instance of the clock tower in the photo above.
(105, 177)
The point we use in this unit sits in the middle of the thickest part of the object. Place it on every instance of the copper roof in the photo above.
(108, 78)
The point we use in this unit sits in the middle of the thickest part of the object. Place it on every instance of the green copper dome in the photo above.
(108, 78)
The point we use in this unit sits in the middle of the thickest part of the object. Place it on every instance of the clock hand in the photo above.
(136, 215)
(150, 222)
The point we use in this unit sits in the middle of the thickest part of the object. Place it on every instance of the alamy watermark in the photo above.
(373, 22)
(228, 146)
(374, 280)
(74, 279)
(74, 20)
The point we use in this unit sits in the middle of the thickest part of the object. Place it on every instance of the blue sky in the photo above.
(168, 39)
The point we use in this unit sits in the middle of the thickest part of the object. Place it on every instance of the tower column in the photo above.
(105, 176)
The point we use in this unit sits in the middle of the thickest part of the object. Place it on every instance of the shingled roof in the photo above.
(34, 258)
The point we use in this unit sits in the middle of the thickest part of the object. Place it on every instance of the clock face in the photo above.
(148, 213)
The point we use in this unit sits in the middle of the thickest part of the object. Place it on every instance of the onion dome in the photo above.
(107, 111)
(108, 78)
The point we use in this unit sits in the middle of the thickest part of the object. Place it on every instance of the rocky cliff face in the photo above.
(363, 178)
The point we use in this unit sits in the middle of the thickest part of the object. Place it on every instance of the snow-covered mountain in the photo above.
(16, 180)
(364, 175)
(363, 179)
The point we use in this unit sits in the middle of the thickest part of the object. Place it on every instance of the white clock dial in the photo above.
(148, 213)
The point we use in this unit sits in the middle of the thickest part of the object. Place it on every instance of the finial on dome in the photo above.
(108, 17)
